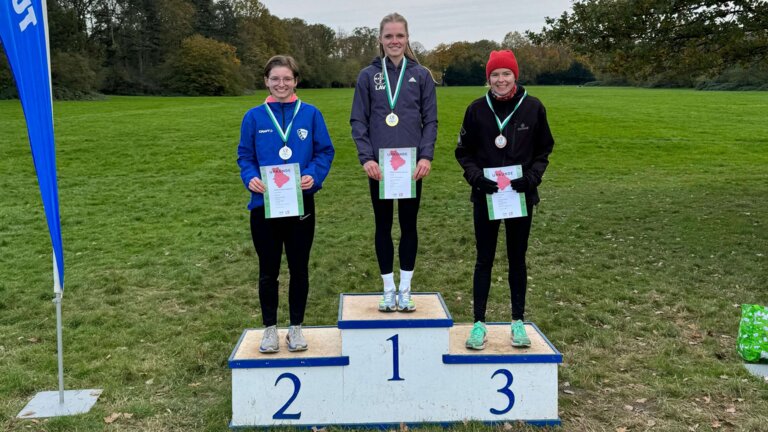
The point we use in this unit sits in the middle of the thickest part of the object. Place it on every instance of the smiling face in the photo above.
(502, 81)
(281, 83)
(394, 39)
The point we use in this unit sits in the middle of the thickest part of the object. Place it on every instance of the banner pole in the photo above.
(59, 346)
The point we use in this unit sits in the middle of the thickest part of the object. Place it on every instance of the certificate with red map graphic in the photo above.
(506, 203)
(397, 167)
(282, 197)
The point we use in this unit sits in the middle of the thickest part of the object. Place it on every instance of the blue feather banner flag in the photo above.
(24, 35)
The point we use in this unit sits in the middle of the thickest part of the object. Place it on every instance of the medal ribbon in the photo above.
(503, 124)
(283, 134)
(393, 99)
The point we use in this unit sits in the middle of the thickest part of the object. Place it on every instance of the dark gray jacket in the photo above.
(416, 108)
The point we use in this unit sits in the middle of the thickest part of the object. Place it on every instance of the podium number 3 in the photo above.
(281, 414)
(505, 391)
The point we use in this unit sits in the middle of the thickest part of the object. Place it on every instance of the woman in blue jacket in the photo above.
(283, 130)
(395, 106)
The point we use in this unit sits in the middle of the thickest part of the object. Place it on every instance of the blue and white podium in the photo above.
(379, 369)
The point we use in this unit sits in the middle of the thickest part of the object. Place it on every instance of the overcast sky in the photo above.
(429, 21)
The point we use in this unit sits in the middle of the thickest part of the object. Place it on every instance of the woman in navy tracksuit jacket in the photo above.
(416, 110)
(310, 147)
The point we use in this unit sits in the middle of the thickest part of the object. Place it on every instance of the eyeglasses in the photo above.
(277, 80)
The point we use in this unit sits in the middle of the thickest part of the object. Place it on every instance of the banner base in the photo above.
(758, 369)
(47, 404)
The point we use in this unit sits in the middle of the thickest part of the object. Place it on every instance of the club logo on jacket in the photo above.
(302, 134)
(522, 127)
(378, 79)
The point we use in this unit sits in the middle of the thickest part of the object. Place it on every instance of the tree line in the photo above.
(668, 43)
(219, 47)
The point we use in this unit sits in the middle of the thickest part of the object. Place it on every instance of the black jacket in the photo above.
(529, 140)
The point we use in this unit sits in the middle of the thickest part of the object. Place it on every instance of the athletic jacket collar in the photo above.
(377, 63)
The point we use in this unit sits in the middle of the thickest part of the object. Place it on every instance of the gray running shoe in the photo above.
(295, 339)
(269, 341)
(405, 302)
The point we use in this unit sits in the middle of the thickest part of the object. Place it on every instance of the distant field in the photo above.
(653, 228)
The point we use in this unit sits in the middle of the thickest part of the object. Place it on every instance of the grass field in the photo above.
(653, 228)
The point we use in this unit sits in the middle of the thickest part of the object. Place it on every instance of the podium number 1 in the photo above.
(395, 359)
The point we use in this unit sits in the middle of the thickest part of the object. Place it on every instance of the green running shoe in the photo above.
(387, 302)
(476, 340)
(519, 338)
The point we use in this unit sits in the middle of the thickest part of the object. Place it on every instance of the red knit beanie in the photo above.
(501, 59)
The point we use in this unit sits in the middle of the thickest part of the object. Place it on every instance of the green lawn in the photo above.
(653, 228)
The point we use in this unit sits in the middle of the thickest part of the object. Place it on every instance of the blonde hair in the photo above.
(395, 17)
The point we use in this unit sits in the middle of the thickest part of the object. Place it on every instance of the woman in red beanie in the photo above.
(503, 128)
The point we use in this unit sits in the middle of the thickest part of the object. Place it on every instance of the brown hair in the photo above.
(282, 61)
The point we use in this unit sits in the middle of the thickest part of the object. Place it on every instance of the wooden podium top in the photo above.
(357, 311)
(324, 349)
(499, 348)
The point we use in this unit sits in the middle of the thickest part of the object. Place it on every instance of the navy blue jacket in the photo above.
(416, 107)
(260, 143)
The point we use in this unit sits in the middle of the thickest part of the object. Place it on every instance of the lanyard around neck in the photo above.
(283, 134)
(393, 98)
(499, 123)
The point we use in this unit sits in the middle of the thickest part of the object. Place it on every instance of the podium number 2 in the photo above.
(281, 414)
(395, 359)
(505, 391)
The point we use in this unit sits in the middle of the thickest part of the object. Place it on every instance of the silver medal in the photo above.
(285, 153)
(500, 141)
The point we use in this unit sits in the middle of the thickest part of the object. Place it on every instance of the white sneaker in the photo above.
(295, 339)
(405, 303)
(387, 302)
(269, 341)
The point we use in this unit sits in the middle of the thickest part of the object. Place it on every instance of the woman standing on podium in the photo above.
(395, 106)
(283, 130)
(503, 128)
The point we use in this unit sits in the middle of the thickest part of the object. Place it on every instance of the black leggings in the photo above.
(269, 236)
(486, 235)
(407, 210)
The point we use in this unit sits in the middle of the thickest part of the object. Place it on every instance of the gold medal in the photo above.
(500, 141)
(392, 120)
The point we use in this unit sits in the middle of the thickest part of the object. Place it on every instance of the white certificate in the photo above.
(397, 167)
(282, 197)
(506, 203)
